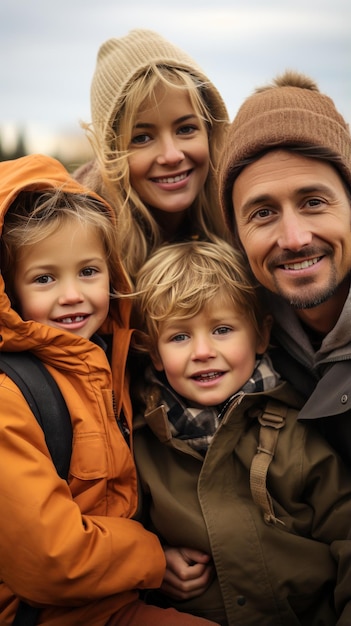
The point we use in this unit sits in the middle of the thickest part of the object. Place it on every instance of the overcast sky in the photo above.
(48, 48)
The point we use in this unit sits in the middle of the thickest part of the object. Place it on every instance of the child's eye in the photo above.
(222, 330)
(44, 279)
(89, 271)
(180, 337)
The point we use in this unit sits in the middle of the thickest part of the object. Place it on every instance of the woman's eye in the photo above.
(187, 130)
(140, 139)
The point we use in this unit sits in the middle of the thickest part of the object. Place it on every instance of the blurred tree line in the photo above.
(19, 149)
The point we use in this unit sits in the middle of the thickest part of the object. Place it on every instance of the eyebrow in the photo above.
(315, 188)
(307, 189)
(179, 120)
(44, 267)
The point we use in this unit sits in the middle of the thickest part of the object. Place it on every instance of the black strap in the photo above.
(48, 406)
(26, 615)
(46, 403)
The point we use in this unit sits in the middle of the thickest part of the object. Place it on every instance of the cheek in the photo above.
(201, 158)
(33, 308)
(157, 362)
(254, 246)
(202, 153)
(170, 360)
(102, 298)
(244, 354)
(137, 168)
(105, 306)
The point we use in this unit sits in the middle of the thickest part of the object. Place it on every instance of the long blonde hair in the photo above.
(139, 234)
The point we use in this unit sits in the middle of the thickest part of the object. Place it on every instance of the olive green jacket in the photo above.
(270, 569)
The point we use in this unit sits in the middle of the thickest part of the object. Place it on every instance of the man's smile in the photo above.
(302, 264)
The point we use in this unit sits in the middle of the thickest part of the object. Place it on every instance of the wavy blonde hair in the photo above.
(180, 279)
(139, 234)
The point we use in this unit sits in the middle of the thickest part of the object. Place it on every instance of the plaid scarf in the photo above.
(198, 425)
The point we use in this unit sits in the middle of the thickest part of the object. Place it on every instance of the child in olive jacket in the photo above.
(224, 464)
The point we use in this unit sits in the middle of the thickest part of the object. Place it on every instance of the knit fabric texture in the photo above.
(121, 61)
(292, 110)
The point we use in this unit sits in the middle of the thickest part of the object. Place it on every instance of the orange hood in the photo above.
(35, 173)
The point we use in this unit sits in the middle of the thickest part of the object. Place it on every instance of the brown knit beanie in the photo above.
(290, 111)
(120, 61)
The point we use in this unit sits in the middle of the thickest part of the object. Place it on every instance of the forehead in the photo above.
(281, 172)
(281, 162)
(218, 307)
(169, 97)
(68, 236)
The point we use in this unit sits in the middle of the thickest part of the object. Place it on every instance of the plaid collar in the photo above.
(198, 425)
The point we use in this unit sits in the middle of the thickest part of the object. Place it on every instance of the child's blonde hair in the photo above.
(179, 280)
(36, 215)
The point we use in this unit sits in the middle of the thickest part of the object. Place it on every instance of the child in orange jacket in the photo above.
(69, 548)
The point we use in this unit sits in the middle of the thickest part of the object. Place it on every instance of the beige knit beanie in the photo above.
(120, 61)
(292, 110)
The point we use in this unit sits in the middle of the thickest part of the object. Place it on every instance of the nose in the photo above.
(170, 153)
(70, 293)
(294, 232)
(203, 349)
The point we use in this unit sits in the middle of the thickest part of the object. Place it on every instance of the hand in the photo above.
(188, 573)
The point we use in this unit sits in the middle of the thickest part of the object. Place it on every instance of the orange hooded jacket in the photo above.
(71, 548)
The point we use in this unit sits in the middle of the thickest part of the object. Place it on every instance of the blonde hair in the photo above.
(179, 280)
(36, 215)
(139, 234)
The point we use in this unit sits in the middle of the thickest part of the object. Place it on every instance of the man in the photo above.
(285, 188)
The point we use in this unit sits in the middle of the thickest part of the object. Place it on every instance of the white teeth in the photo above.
(208, 375)
(72, 320)
(302, 265)
(171, 179)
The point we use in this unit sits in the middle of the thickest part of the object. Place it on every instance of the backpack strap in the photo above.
(26, 615)
(50, 410)
(272, 420)
(46, 403)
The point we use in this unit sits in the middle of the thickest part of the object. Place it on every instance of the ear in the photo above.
(265, 333)
(156, 361)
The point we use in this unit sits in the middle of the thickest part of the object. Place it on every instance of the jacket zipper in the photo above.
(121, 420)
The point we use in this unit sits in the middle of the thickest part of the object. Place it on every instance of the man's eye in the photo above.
(262, 213)
(314, 202)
